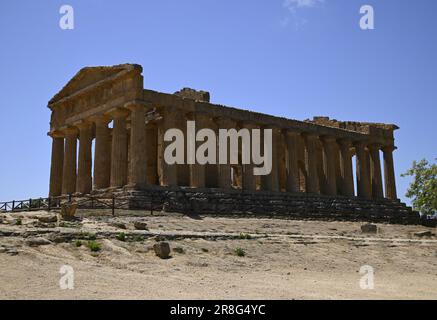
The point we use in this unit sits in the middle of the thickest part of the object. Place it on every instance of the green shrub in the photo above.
(240, 252)
(18, 222)
(78, 243)
(94, 246)
(121, 236)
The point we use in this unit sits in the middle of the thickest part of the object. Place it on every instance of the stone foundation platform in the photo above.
(264, 204)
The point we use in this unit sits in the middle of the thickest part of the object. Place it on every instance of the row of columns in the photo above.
(129, 157)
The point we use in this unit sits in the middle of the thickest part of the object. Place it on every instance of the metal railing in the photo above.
(83, 202)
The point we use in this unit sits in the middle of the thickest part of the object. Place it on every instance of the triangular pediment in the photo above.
(89, 76)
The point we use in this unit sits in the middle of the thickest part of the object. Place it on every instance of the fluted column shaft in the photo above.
(70, 154)
(375, 171)
(119, 149)
(271, 181)
(138, 147)
(389, 173)
(57, 163)
(84, 178)
(363, 176)
(330, 165)
(292, 161)
(197, 171)
(102, 153)
(249, 181)
(224, 170)
(152, 153)
(168, 172)
(312, 183)
(347, 178)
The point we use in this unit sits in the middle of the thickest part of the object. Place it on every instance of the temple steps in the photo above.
(262, 203)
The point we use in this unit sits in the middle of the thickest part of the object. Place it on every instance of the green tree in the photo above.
(423, 188)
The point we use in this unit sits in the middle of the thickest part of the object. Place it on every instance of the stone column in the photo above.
(70, 154)
(375, 170)
(292, 161)
(389, 173)
(330, 165)
(102, 153)
(249, 180)
(271, 181)
(197, 171)
(347, 178)
(119, 148)
(224, 170)
(57, 164)
(138, 147)
(84, 178)
(168, 172)
(311, 157)
(363, 176)
(152, 153)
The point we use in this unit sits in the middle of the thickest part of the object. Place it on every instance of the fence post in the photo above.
(13, 205)
(69, 197)
(113, 205)
(30, 204)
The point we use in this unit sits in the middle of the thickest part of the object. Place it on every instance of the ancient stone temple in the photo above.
(108, 138)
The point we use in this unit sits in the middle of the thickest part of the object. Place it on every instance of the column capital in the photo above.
(118, 113)
(374, 146)
(360, 143)
(83, 124)
(100, 119)
(344, 142)
(137, 104)
(389, 148)
(55, 134)
(292, 133)
(328, 139)
(70, 131)
(225, 123)
(310, 135)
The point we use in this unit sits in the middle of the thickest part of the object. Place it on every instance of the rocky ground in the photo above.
(210, 257)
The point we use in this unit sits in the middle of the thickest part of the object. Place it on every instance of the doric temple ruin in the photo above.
(108, 138)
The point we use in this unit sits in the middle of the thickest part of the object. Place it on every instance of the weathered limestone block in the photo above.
(140, 225)
(48, 219)
(37, 241)
(68, 210)
(369, 228)
(162, 250)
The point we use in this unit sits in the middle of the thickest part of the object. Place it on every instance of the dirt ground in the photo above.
(284, 259)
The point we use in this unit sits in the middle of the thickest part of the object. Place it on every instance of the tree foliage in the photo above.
(423, 188)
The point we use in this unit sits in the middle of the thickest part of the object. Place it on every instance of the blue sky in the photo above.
(266, 56)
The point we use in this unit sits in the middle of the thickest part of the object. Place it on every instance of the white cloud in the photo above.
(293, 5)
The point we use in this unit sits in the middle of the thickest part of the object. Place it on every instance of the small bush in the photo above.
(94, 246)
(18, 222)
(78, 243)
(240, 252)
(121, 236)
